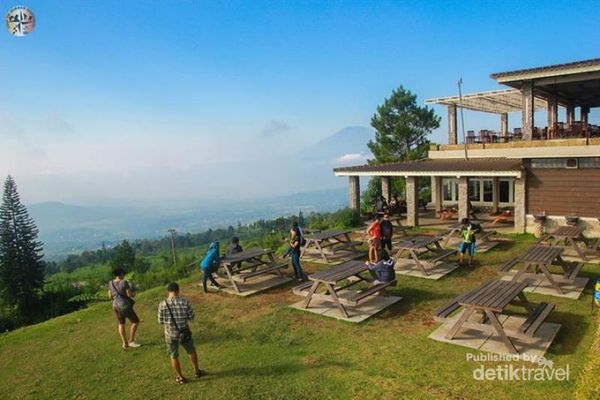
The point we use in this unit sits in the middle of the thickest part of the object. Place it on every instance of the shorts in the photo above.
(375, 242)
(470, 247)
(127, 313)
(173, 347)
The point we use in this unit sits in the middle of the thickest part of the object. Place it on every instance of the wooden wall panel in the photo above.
(564, 191)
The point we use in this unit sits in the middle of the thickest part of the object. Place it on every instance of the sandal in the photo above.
(180, 380)
(200, 373)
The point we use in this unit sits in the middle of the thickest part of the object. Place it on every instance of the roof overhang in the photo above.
(493, 167)
(454, 174)
(572, 84)
(494, 101)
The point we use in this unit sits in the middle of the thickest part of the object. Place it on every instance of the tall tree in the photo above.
(21, 265)
(401, 130)
(401, 127)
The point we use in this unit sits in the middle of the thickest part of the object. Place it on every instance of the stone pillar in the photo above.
(412, 201)
(552, 112)
(436, 193)
(504, 124)
(354, 193)
(386, 188)
(495, 194)
(528, 109)
(520, 204)
(463, 198)
(452, 125)
(570, 115)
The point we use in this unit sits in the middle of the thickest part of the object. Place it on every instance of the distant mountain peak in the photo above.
(350, 140)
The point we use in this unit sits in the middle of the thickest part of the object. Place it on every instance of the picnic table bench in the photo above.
(490, 300)
(573, 236)
(351, 271)
(334, 241)
(419, 245)
(454, 230)
(539, 258)
(251, 263)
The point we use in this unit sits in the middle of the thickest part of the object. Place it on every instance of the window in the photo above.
(549, 163)
(591, 162)
(474, 189)
(488, 190)
(449, 190)
(505, 191)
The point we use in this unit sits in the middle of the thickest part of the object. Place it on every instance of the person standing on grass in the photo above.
(295, 245)
(467, 244)
(209, 265)
(374, 232)
(387, 231)
(121, 294)
(174, 314)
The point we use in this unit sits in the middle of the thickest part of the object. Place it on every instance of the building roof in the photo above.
(495, 101)
(576, 67)
(439, 167)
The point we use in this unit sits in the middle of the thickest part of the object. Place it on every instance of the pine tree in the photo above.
(21, 265)
(402, 127)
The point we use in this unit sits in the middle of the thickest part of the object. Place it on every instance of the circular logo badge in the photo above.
(20, 21)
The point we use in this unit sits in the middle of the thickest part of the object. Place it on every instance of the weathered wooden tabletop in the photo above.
(494, 295)
(568, 231)
(246, 255)
(326, 235)
(339, 272)
(417, 242)
(540, 254)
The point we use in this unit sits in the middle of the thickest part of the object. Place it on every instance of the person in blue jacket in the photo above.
(383, 270)
(209, 265)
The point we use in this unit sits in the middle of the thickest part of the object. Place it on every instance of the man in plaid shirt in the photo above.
(174, 313)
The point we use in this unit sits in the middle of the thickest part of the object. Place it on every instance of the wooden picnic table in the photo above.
(339, 273)
(571, 235)
(250, 263)
(334, 240)
(419, 245)
(454, 229)
(539, 258)
(490, 300)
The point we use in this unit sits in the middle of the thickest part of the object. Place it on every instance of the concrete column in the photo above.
(463, 198)
(570, 115)
(436, 192)
(584, 116)
(552, 112)
(496, 194)
(354, 193)
(386, 188)
(412, 201)
(528, 109)
(504, 124)
(520, 204)
(452, 125)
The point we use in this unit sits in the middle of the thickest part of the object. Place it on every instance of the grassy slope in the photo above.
(259, 348)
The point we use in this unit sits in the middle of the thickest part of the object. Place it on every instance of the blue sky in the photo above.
(113, 88)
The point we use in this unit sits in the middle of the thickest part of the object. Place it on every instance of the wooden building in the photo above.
(552, 170)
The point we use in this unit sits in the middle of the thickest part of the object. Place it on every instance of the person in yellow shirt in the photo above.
(467, 245)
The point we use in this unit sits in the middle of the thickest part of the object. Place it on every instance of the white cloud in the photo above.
(352, 158)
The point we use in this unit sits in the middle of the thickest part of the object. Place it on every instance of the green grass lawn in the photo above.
(259, 348)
